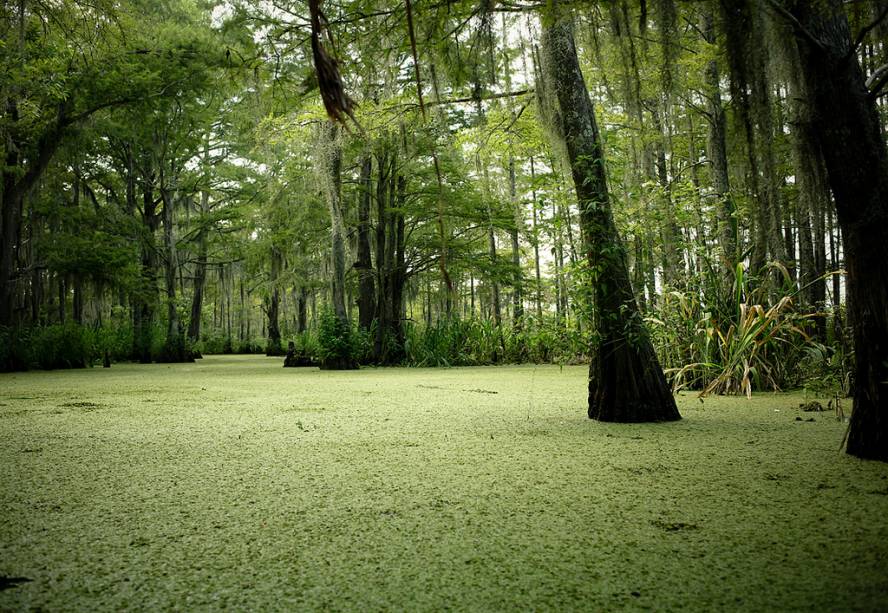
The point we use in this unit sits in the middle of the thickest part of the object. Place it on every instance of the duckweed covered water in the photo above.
(234, 483)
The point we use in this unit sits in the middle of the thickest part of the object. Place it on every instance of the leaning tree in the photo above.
(626, 382)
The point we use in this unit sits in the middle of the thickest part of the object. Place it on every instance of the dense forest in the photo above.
(683, 194)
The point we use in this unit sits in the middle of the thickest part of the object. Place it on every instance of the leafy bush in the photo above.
(471, 342)
(116, 337)
(746, 347)
(362, 342)
(334, 341)
(63, 346)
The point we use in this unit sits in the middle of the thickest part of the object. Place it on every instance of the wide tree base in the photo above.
(868, 432)
(174, 352)
(627, 385)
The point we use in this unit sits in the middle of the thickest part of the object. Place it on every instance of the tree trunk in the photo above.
(331, 164)
(331, 178)
(813, 194)
(853, 146)
(273, 346)
(174, 349)
(717, 151)
(381, 310)
(145, 296)
(364, 265)
(10, 222)
(301, 309)
(538, 298)
(669, 230)
(518, 280)
(200, 273)
(626, 383)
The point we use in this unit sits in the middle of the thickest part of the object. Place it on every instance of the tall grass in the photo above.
(755, 340)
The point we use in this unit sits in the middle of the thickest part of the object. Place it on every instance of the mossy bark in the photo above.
(626, 383)
(273, 345)
(364, 264)
(331, 179)
(850, 137)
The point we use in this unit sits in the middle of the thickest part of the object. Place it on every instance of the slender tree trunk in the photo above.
(76, 276)
(717, 151)
(856, 158)
(383, 183)
(11, 199)
(364, 265)
(302, 309)
(536, 249)
(200, 273)
(331, 177)
(669, 230)
(174, 349)
(491, 234)
(517, 210)
(638, 276)
(518, 280)
(558, 252)
(626, 383)
(399, 275)
(145, 299)
(813, 193)
(274, 346)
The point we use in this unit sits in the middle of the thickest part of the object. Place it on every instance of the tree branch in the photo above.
(476, 98)
(877, 81)
(800, 29)
(863, 32)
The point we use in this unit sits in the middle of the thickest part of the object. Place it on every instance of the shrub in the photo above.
(116, 337)
(334, 342)
(743, 347)
(63, 346)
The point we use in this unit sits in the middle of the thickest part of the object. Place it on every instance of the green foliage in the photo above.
(334, 339)
(753, 346)
(116, 336)
(63, 346)
(827, 369)
(474, 342)
(66, 345)
(218, 342)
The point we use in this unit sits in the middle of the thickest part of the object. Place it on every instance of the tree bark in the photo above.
(273, 346)
(717, 151)
(330, 174)
(518, 280)
(200, 272)
(364, 265)
(145, 296)
(669, 231)
(854, 151)
(626, 383)
(538, 298)
(813, 193)
(174, 349)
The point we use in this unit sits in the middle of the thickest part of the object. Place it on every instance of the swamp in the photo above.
(422, 305)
